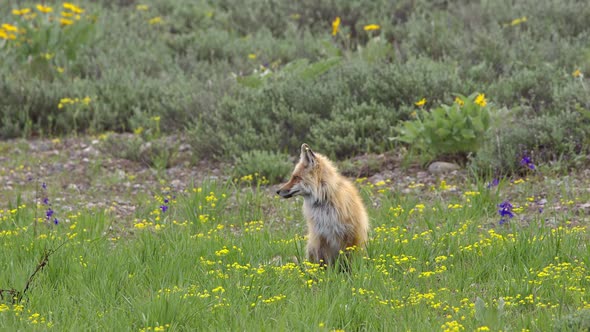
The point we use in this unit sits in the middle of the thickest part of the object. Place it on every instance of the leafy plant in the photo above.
(448, 130)
(48, 43)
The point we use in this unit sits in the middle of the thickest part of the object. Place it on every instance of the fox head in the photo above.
(303, 178)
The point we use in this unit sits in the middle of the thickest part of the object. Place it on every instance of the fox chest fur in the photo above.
(324, 222)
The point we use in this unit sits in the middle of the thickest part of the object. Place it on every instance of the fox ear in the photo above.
(307, 155)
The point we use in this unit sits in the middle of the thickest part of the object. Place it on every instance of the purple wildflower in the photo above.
(505, 211)
(166, 201)
(55, 221)
(164, 208)
(44, 185)
(526, 161)
(46, 201)
(49, 213)
(494, 183)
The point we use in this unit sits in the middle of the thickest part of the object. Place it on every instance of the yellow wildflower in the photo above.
(20, 12)
(142, 7)
(44, 9)
(335, 25)
(459, 101)
(577, 73)
(218, 289)
(518, 21)
(64, 101)
(155, 20)
(252, 56)
(420, 102)
(86, 100)
(371, 27)
(65, 21)
(481, 100)
(73, 8)
(9, 27)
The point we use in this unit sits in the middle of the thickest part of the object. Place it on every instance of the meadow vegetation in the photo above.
(263, 75)
(227, 256)
(500, 87)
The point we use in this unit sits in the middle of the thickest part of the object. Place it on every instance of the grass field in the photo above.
(142, 143)
(223, 256)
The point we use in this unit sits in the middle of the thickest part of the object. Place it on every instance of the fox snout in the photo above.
(285, 193)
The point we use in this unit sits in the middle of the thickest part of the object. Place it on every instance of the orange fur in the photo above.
(336, 216)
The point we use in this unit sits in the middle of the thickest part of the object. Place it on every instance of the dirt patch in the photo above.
(81, 174)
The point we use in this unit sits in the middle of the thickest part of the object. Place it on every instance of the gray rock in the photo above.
(439, 167)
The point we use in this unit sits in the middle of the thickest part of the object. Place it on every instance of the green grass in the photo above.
(222, 258)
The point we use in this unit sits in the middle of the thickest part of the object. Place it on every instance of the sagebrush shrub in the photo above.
(263, 165)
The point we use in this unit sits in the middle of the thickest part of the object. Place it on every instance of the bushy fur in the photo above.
(336, 216)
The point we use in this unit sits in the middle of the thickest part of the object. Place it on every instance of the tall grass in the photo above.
(225, 257)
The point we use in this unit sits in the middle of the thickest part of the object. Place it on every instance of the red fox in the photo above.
(336, 216)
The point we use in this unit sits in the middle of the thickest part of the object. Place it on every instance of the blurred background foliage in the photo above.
(243, 77)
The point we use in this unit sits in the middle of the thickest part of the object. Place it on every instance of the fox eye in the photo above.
(296, 177)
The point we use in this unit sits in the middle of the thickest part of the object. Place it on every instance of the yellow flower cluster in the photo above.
(9, 31)
(155, 328)
(144, 224)
(73, 101)
(274, 298)
(253, 226)
(452, 326)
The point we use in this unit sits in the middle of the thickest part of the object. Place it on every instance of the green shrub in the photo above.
(545, 138)
(363, 166)
(454, 130)
(276, 115)
(398, 84)
(267, 75)
(322, 102)
(355, 130)
(159, 153)
(578, 321)
(263, 166)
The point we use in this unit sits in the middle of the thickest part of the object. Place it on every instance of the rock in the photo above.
(90, 151)
(184, 147)
(439, 167)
